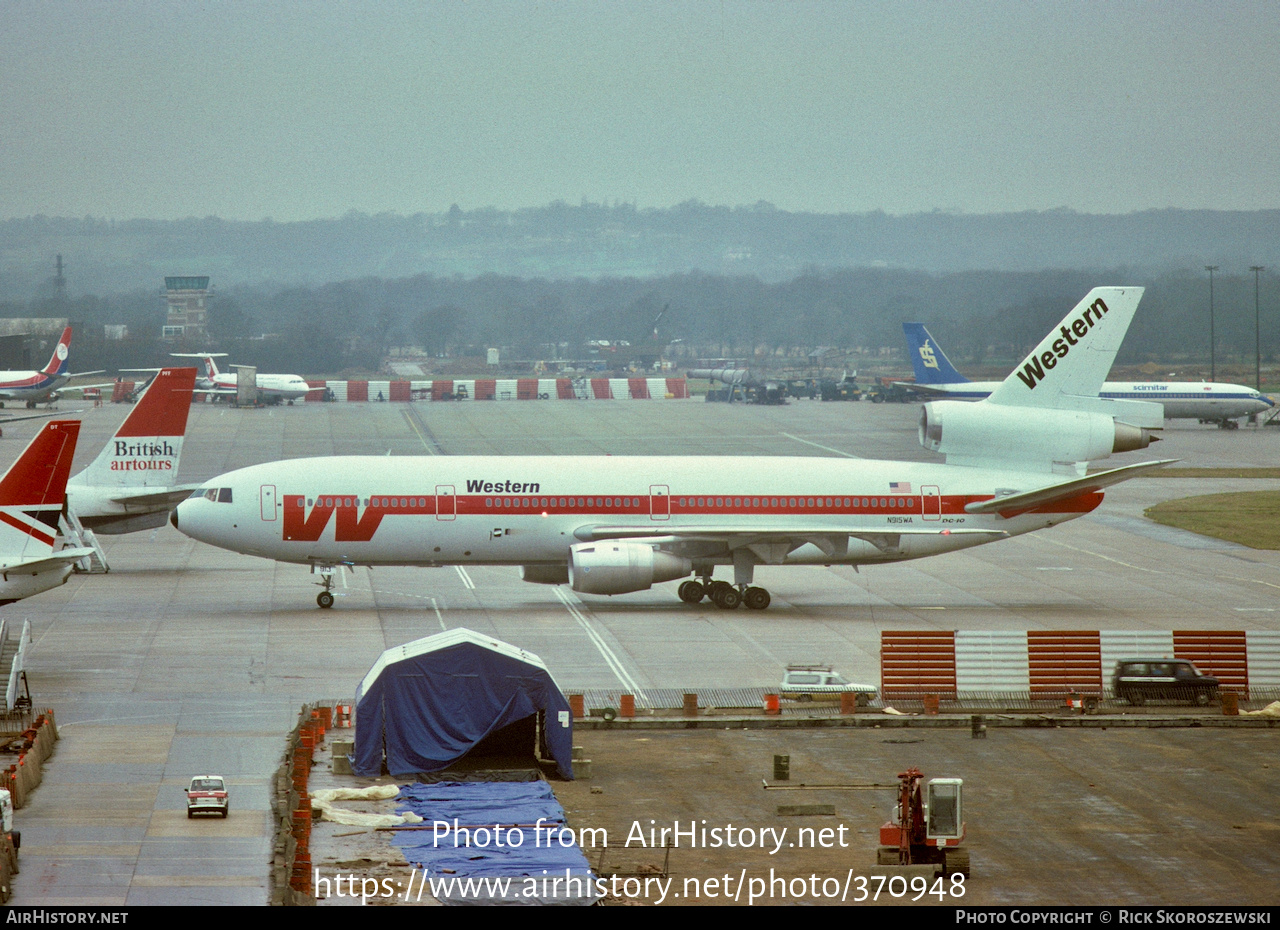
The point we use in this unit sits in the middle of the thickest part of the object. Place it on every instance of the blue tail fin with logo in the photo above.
(929, 361)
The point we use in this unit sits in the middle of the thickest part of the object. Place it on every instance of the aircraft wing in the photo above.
(169, 497)
(35, 416)
(772, 543)
(35, 566)
(1008, 504)
(86, 387)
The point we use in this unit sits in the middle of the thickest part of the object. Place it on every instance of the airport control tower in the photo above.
(188, 297)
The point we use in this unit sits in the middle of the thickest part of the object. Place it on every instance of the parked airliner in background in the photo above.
(1206, 401)
(32, 493)
(37, 387)
(272, 389)
(130, 485)
(1016, 462)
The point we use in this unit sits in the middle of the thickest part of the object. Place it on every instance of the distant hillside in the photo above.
(560, 241)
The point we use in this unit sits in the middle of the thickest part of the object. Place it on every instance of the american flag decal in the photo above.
(900, 487)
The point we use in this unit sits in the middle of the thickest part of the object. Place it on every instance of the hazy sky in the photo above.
(299, 110)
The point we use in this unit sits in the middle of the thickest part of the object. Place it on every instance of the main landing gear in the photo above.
(723, 594)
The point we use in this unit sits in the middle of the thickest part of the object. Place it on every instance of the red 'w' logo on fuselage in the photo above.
(352, 526)
(354, 522)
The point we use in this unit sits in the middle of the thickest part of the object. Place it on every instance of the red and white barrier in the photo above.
(504, 389)
(1054, 663)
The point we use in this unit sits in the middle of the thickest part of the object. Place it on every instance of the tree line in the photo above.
(978, 316)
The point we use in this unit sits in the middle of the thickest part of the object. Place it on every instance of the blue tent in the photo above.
(426, 704)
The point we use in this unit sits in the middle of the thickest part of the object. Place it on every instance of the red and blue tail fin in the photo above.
(58, 364)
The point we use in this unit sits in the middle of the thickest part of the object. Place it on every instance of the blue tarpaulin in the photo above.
(511, 833)
(426, 704)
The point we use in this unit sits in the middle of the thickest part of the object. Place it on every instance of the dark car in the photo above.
(1140, 680)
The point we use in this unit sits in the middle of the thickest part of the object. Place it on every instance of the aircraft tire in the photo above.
(324, 599)
(691, 592)
(726, 597)
(756, 598)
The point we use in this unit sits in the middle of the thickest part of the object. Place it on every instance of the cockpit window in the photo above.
(216, 495)
(224, 495)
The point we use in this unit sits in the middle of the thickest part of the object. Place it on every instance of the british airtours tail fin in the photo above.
(147, 448)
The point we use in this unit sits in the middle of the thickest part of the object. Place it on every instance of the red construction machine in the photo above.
(930, 825)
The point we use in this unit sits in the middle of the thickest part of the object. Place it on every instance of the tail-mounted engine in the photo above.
(982, 432)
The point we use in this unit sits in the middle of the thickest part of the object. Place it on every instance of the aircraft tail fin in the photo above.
(58, 362)
(1074, 359)
(206, 359)
(1047, 415)
(930, 363)
(147, 447)
(34, 489)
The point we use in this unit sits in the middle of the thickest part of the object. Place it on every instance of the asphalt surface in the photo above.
(186, 659)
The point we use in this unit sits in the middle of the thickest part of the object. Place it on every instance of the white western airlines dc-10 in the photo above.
(1016, 463)
(1206, 401)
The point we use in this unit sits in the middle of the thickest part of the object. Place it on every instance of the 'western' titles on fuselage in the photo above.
(502, 487)
(1033, 372)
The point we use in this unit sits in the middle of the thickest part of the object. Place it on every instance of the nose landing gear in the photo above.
(326, 597)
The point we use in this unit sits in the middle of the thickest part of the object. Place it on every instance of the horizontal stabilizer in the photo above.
(61, 559)
(169, 497)
(1027, 500)
(1144, 414)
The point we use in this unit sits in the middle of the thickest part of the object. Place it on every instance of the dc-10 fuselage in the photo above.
(500, 511)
